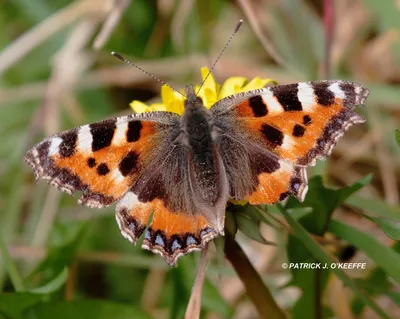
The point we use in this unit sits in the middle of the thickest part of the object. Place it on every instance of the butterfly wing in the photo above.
(181, 222)
(272, 134)
(169, 189)
(102, 159)
(132, 160)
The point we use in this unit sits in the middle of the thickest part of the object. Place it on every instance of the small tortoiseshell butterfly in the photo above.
(254, 145)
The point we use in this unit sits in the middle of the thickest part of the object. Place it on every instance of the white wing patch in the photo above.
(85, 139)
(335, 89)
(273, 106)
(306, 96)
(54, 145)
(129, 201)
(120, 131)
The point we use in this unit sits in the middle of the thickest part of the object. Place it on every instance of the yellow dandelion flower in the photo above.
(210, 93)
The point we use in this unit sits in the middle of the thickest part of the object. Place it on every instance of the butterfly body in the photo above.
(200, 138)
(181, 170)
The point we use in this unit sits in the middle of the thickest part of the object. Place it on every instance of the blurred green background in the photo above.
(61, 260)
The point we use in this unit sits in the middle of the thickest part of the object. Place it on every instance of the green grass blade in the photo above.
(384, 256)
(320, 254)
(12, 270)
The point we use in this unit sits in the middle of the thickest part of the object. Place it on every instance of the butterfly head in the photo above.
(192, 100)
(196, 121)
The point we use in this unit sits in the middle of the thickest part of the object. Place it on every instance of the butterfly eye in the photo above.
(199, 100)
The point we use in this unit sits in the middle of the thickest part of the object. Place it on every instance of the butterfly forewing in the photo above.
(103, 159)
(288, 126)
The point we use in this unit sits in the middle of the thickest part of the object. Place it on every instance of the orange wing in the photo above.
(171, 234)
(133, 160)
(289, 126)
(103, 159)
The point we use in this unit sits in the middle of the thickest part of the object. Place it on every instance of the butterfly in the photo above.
(182, 170)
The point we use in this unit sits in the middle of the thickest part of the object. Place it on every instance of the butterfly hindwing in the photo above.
(292, 124)
(258, 175)
(168, 191)
(171, 233)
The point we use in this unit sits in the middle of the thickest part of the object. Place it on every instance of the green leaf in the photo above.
(389, 226)
(251, 228)
(319, 253)
(387, 258)
(323, 202)
(263, 213)
(305, 279)
(377, 283)
(88, 309)
(60, 256)
(13, 304)
(230, 222)
(54, 284)
(374, 206)
(395, 296)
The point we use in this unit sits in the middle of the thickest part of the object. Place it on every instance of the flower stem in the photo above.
(194, 305)
(256, 290)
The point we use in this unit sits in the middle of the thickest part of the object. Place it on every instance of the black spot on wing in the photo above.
(262, 163)
(133, 132)
(306, 120)
(332, 131)
(258, 106)
(68, 145)
(287, 96)
(103, 169)
(283, 195)
(91, 162)
(298, 130)
(325, 97)
(272, 134)
(129, 163)
(154, 188)
(102, 134)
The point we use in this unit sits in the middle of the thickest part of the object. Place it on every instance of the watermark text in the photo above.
(318, 265)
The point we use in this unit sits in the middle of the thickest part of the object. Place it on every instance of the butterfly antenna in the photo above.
(222, 52)
(145, 72)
